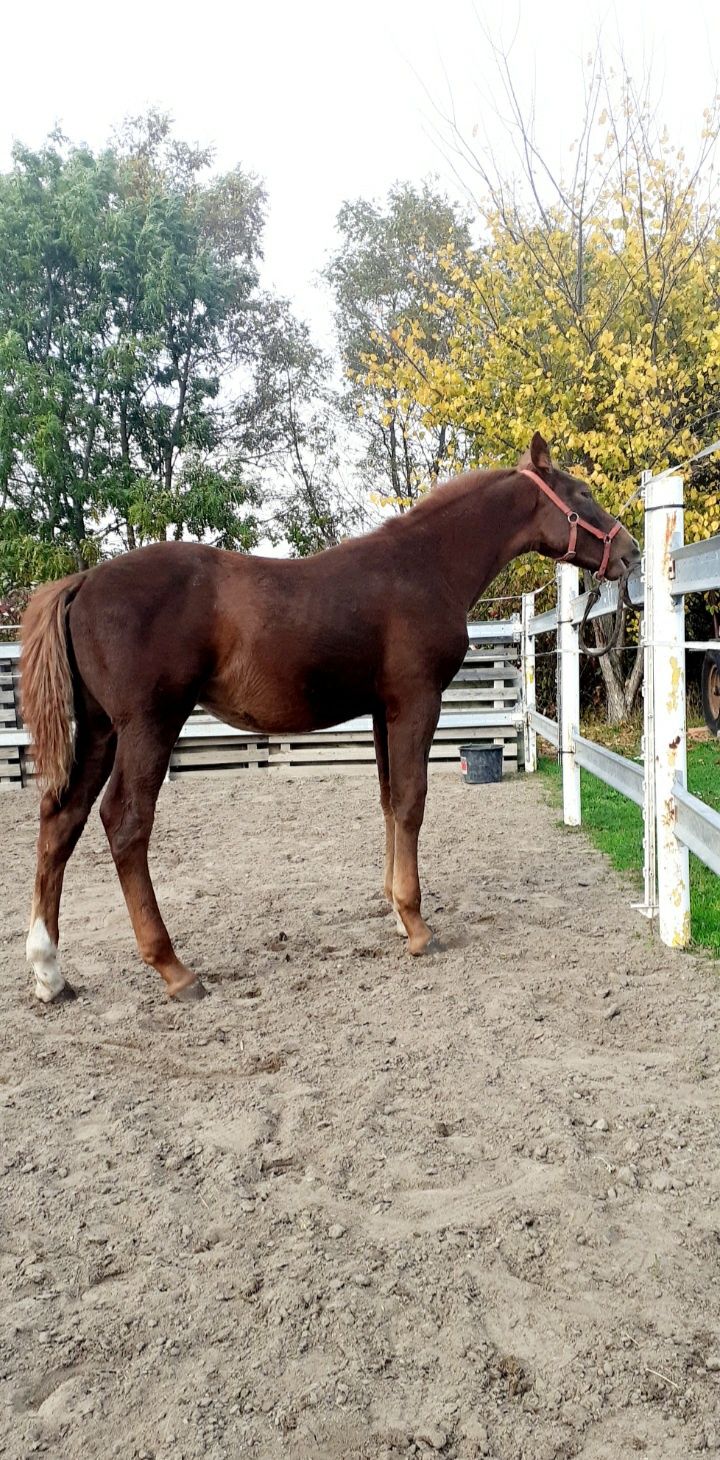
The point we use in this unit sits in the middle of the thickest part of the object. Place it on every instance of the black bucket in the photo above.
(481, 765)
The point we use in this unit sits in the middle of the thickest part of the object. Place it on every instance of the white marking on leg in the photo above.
(43, 955)
(400, 925)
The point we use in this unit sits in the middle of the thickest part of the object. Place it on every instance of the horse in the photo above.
(115, 658)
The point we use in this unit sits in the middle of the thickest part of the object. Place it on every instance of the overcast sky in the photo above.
(327, 100)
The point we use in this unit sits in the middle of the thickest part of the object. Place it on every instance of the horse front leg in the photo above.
(410, 736)
(380, 733)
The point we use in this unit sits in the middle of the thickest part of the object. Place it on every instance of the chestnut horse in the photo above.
(115, 658)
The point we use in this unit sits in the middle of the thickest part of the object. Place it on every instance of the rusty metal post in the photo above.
(665, 637)
(568, 691)
(528, 681)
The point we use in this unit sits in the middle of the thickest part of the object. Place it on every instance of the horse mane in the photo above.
(435, 501)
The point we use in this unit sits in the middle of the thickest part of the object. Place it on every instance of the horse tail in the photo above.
(46, 682)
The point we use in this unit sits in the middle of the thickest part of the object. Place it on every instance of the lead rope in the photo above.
(624, 602)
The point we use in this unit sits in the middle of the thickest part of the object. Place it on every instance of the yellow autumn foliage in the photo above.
(606, 338)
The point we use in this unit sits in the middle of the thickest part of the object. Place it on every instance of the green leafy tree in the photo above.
(128, 294)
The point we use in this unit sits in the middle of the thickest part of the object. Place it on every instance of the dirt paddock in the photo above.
(355, 1205)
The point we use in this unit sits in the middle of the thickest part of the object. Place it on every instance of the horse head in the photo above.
(569, 525)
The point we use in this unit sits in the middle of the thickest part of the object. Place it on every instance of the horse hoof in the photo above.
(190, 993)
(42, 1004)
(420, 942)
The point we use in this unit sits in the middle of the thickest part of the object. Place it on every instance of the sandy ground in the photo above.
(355, 1205)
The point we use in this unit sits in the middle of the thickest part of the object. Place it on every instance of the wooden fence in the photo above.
(483, 705)
(11, 754)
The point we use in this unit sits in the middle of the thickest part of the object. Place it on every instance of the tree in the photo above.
(589, 311)
(292, 423)
(128, 291)
(385, 272)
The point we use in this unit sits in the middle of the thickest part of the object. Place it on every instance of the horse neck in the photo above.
(478, 530)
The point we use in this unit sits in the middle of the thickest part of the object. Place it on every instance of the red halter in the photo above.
(575, 522)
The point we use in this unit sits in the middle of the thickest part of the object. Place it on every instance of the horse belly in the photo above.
(289, 704)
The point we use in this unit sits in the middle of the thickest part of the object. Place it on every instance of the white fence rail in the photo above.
(615, 770)
(675, 822)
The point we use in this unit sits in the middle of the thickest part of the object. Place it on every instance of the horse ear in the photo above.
(539, 453)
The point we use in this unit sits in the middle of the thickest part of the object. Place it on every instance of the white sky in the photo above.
(325, 99)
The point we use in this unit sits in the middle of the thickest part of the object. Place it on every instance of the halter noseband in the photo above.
(575, 521)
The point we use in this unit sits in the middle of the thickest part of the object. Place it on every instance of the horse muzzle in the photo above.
(624, 558)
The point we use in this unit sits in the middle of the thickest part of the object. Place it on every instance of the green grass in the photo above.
(614, 824)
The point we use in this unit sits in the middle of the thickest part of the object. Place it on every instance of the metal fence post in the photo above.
(568, 691)
(665, 632)
(528, 681)
(649, 906)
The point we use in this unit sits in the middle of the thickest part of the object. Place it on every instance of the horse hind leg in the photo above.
(61, 825)
(127, 812)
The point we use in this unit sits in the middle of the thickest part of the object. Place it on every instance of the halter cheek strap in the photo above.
(575, 521)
